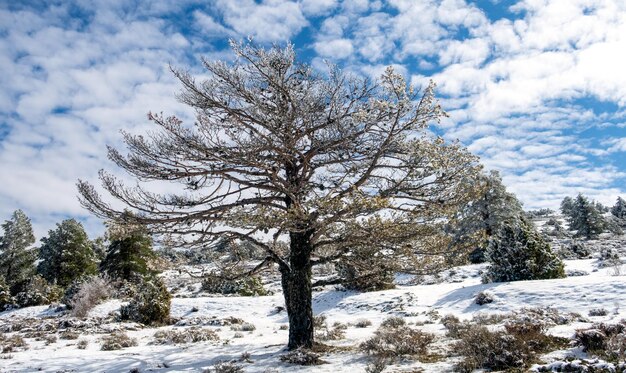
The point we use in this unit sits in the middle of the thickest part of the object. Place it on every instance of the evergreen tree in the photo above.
(518, 252)
(619, 209)
(17, 259)
(585, 218)
(66, 254)
(481, 219)
(128, 253)
(567, 206)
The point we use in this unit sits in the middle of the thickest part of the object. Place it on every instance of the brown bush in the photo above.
(187, 335)
(398, 341)
(117, 341)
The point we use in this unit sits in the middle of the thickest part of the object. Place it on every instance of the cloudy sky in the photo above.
(537, 88)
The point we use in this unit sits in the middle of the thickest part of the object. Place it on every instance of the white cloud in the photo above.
(270, 20)
(337, 48)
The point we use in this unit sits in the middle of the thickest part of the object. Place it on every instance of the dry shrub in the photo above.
(483, 297)
(243, 327)
(605, 340)
(362, 323)
(515, 347)
(397, 341)
(319, 321)
(598, 312)
(12, 343)
(188, 335)
(117, 341)
(393, 322)
(333, 334)
(454, 326)
(89, 295)
(302, 356)
(68, 334)
(82, 344)
(225, 367)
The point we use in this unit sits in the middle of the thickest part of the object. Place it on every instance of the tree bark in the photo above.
(296, 283)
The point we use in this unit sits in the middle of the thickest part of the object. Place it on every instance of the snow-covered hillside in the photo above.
(252, 330)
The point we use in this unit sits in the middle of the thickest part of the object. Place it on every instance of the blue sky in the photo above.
(537, 88)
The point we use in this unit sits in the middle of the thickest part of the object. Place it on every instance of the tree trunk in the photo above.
(296, 283)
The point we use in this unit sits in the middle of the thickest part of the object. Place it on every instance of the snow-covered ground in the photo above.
(421, 306)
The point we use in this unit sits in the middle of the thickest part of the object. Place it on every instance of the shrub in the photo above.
(82, 344)
(12, 343)
(397, 341)
(363, 323)
(483, 297)
(319, 321)
(335, 333)
(302, 357)
(243, 327)
(226, 367)
(38, 292)
(515, 347)
(454, 326)
(90, 293)
(519, 253)
(188, 335)
(579, 250)
(68, 334)
(598, 312)
(151, 305)
(393, 322)
(605, 340)
(481, 348)
(117, 341)
(247, 287)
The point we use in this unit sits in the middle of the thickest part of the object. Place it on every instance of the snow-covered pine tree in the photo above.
(478, 221)
(619, 209)
(567, 206)
(66, 254)
(518, 252)
(585, 218)
(17, 258)
(128, 253)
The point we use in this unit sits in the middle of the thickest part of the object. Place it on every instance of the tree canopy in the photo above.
(17, 257)
(306, 166)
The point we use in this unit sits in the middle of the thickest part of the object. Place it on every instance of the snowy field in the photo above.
(422, 306)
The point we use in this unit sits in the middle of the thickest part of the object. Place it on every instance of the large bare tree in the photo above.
(308, 167)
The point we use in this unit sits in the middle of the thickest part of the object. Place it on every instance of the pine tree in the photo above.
(478, 221)
(585, 218)
(66, 254)
(322, 162)
(128, 253)
(518, 252)
(17, 259)
(567, 206)
(619, 209)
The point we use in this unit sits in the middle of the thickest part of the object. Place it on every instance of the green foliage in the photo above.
(5, 295)
(17, 260)
(128, 255)
(366, 270)
(37, 291)
(151, 304)
(585, 218)
(66, 254)
(518, 252)
(480, 219)
(619, 209)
